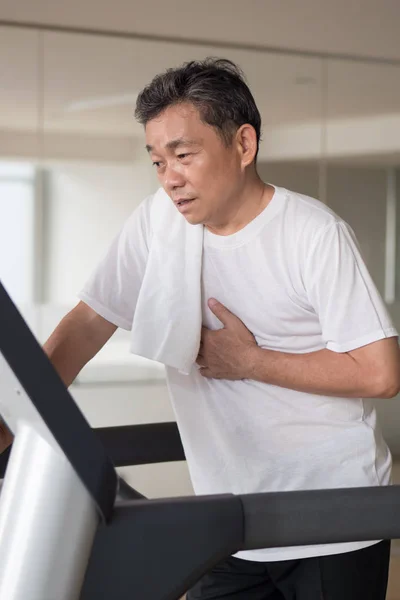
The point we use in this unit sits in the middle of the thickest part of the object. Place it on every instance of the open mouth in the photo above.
(183, 202)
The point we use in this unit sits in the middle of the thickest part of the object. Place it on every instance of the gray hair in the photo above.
(215, 86)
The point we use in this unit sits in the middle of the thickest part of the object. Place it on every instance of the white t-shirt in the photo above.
(295, 277)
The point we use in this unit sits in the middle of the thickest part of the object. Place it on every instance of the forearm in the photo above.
(323, 372)
(67, 355)
(75, 341)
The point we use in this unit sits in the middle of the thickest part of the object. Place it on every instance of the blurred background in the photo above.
(326, 78)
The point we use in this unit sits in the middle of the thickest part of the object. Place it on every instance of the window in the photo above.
(17, 196)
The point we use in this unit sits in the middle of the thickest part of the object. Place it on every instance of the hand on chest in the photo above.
(264, 299)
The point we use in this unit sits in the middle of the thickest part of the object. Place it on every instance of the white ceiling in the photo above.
(362, 27)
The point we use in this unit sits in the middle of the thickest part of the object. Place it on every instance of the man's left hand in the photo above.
(226, 353)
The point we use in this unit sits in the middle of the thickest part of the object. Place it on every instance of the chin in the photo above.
(193, 220)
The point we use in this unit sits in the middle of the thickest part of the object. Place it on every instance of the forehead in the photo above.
(176, 122)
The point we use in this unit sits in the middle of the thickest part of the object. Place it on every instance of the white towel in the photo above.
(167, 321)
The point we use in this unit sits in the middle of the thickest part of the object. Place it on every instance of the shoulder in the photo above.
(308, 210)
(308, 219)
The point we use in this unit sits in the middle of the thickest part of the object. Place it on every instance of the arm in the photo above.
(361, 358)
(372, 371)
(75, 341)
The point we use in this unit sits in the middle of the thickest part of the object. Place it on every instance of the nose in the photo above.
(172, 179)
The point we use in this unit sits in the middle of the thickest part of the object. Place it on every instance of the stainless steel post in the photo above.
(47, 522)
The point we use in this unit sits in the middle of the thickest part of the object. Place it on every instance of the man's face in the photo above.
(194, 164)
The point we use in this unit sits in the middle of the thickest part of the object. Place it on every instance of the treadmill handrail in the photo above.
(129, 445)
(42, 384)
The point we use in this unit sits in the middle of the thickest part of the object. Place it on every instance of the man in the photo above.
(295, 337)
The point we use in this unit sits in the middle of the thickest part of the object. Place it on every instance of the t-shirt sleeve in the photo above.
(113, 288)
(341, 291)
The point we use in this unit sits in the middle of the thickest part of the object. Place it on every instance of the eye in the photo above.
(156, 164)
(180, 156)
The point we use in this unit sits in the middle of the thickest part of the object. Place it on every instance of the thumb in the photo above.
(220, 311)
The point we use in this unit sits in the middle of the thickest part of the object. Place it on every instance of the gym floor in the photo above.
(394, 579)
(394, 576)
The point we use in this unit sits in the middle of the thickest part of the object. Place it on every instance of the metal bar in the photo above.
(185, 537)
(39, 255)
(48, 521)
(126, 492)
(156, 550)
(321, 516)
(129, 445)
(149, 443)
(390, 254)
(323, 160)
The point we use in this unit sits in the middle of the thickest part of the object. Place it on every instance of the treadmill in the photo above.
(70, 529)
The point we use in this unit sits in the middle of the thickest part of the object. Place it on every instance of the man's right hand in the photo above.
(6, 437)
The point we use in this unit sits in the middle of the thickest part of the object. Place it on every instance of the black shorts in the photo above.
(358, 575)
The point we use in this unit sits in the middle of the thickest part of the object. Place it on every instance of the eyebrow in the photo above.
(173, 144)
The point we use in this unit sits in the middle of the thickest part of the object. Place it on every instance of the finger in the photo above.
(220, 311)
(205, 372)
(200, 360)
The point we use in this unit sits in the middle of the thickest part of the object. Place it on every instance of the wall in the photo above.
(358, 195)
(85, 207)
(300, 177)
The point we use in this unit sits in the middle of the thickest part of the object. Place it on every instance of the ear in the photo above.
(246, 139)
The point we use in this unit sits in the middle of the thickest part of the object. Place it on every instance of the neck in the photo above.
(246, 205)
